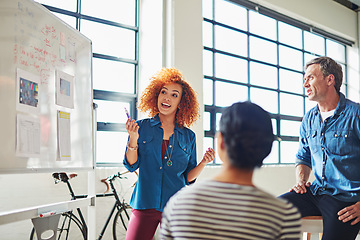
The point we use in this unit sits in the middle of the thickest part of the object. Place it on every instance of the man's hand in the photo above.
(300, 187)
(350, 213)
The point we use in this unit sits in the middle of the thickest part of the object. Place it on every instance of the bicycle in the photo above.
(74, 227)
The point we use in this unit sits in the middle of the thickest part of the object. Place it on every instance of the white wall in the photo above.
(174, 39)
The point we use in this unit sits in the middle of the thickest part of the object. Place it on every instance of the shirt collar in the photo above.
(339, 108)
(341, 105)
(156, 121)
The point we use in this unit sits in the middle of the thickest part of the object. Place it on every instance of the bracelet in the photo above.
(132, 148)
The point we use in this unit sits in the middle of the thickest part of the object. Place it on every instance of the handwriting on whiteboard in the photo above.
(38, 45)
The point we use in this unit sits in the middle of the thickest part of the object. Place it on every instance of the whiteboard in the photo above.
(38, 51)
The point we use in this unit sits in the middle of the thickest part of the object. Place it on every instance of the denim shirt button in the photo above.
(160, 168)
(346, 135)
(323, 189)
(144, 141)
(185, 149)
(335, 135)
(322, 148)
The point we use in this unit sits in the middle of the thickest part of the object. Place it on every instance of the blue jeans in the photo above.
(327, 207)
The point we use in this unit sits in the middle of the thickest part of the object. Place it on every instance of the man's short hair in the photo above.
(329, 66)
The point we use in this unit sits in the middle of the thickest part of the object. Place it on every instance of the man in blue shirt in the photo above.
(330, 147)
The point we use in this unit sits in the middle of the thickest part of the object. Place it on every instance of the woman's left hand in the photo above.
(209, 156)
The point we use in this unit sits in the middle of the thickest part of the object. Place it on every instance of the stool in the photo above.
(311, 224)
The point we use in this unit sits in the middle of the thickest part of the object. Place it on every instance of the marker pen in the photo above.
(127, 113)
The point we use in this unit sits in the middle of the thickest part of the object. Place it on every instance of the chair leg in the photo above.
(306, 236)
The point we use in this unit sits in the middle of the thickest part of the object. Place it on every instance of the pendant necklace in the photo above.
(169, 162)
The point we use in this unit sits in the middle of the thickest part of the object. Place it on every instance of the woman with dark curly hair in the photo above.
(163, 148)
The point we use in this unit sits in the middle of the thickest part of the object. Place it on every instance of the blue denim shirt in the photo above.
(157, 181)
(332, 149)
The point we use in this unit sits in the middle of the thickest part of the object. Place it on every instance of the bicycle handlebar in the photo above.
(112, 177)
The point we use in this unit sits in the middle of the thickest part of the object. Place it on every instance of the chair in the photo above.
(311, 225)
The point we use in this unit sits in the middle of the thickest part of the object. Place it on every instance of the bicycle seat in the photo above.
(63, 176)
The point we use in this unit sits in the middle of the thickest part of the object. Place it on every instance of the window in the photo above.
(113, 30)
(253, 53)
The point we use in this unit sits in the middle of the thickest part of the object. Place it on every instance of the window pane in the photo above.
(208, 89)
(288, 151)
(291, 81)
(273, 157)
(114, 10)
(110, 146)
(208, 63)
(207, 34)
(262, 25)
(113, 112)
(217, 158)
(263, 75)
(110, 40)
(309, 104)
(231, 14)
(290, 58)
(265, 99)
(231, 68)
(218, 117)
(113, 76)
(64, 4)
(290, 35)
(290, 128)
(291, 105)
(206, 121)
(209, 143)
(335, 50)
(314, 43)
(273, 122)
(263, 50)
(227, 94)
(230, 41)
(307, 58)
(207, 9)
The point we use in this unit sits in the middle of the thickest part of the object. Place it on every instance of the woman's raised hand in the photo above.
(133, 129)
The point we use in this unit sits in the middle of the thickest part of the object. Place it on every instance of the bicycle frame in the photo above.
(117, 205)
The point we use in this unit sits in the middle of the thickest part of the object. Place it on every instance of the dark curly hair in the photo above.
(248, 135)
(189, 110)
(329, 66)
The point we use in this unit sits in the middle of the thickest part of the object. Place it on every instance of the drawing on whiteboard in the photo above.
(64, 89)
(27, 92)
(28, 136)
(63, 133)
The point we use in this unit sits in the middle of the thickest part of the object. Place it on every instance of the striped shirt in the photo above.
(217, 210)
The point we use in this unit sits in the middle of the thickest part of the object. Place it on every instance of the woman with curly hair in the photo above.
(163, 148)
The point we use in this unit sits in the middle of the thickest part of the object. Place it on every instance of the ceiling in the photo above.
(352, 4)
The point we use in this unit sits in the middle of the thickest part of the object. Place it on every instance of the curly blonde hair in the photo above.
(189, 110)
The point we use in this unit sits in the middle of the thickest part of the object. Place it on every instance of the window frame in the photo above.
(213, 109)
(130, 98)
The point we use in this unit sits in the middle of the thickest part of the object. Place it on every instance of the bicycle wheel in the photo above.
(70, 227)
(121, 221)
